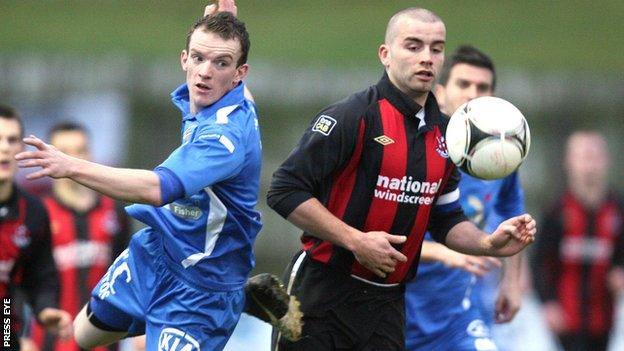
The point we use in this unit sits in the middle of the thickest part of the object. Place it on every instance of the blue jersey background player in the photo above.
(445, 309)
(181, 279)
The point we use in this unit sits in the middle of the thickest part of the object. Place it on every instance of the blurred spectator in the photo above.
(88, 231)
(579, 255)
(26, 263)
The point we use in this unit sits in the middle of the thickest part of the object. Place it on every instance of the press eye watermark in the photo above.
(6, 323)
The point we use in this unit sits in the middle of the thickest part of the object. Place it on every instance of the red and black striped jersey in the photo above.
(574, 252)
(84, 244)
(378, 161)
(26, 261)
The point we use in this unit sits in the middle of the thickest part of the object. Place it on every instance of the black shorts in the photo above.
(341, 312)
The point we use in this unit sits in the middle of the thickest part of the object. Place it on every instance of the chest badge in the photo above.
(441, 147)
(384, 140)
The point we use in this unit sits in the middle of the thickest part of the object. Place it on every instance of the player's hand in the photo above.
(508, 302)
(478, 265)
(511, 236)
(554, 317)
(374, 251)
(221, 6)
(57, 322)
(27, 344)
(53, 162)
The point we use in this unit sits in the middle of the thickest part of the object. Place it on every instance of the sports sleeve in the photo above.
(325, 147)
(40, 277)
(215, 153)
(447, 211)
(509, 202)
(545, 263)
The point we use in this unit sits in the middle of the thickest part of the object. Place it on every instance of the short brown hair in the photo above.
(227, 26)
(10, 113)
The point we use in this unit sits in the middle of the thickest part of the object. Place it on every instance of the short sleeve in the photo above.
(447, 211)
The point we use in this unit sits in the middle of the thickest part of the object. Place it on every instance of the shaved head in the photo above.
(413, 13)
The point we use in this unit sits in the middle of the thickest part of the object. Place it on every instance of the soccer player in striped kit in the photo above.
(368, 178)
(88, 232)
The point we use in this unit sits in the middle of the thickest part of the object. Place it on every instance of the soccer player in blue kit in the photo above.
(181, 279)
(444, 310)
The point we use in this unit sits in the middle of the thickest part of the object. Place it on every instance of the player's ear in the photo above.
(184, 59)
(241, 73)
(384, 54)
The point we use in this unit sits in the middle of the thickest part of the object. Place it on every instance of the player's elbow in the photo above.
(154, 197)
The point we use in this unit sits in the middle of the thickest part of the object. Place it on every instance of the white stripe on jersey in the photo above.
(222, 113)
(448, 198)
(214, 226)
(227, 143)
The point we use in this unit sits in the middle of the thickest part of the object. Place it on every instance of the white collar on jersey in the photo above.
(421, 116)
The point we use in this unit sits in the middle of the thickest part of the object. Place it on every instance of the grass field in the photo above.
(539, 35)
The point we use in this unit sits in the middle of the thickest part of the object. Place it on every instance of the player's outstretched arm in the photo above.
(509, 238)
(131, 185)
(479, 265)
(372, 249)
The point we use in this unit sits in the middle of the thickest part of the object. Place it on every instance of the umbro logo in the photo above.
(384, 140)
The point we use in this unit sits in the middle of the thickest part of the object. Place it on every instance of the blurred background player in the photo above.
(443, 310)
(578, 262)
(26, 264)
(88, 231)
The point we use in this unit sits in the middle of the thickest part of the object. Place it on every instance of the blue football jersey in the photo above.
(209, 233)
(439, 294)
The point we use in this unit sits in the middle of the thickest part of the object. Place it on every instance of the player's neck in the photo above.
(590, 196)
(6, 190)
(74, 195)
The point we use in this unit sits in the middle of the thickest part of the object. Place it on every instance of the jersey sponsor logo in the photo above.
(576, 249)
(324, 124)
(82, 254)
(441, 147)
(115, 272)
(172, 339)
(406, 190)
(384, 140)
(186, 212)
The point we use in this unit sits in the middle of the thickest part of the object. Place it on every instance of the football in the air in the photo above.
(488, 137)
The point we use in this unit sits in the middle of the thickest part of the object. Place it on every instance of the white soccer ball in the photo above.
(488, 137)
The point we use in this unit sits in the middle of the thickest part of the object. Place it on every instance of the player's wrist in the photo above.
(486, 247)
(75, 167)
(352, 239)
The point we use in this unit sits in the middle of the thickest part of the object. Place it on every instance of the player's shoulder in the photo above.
(617, 198)
(33, 203)
(36, 211)
(346, 113)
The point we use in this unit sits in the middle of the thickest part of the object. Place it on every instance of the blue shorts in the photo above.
(140, 292)
(468, 332)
